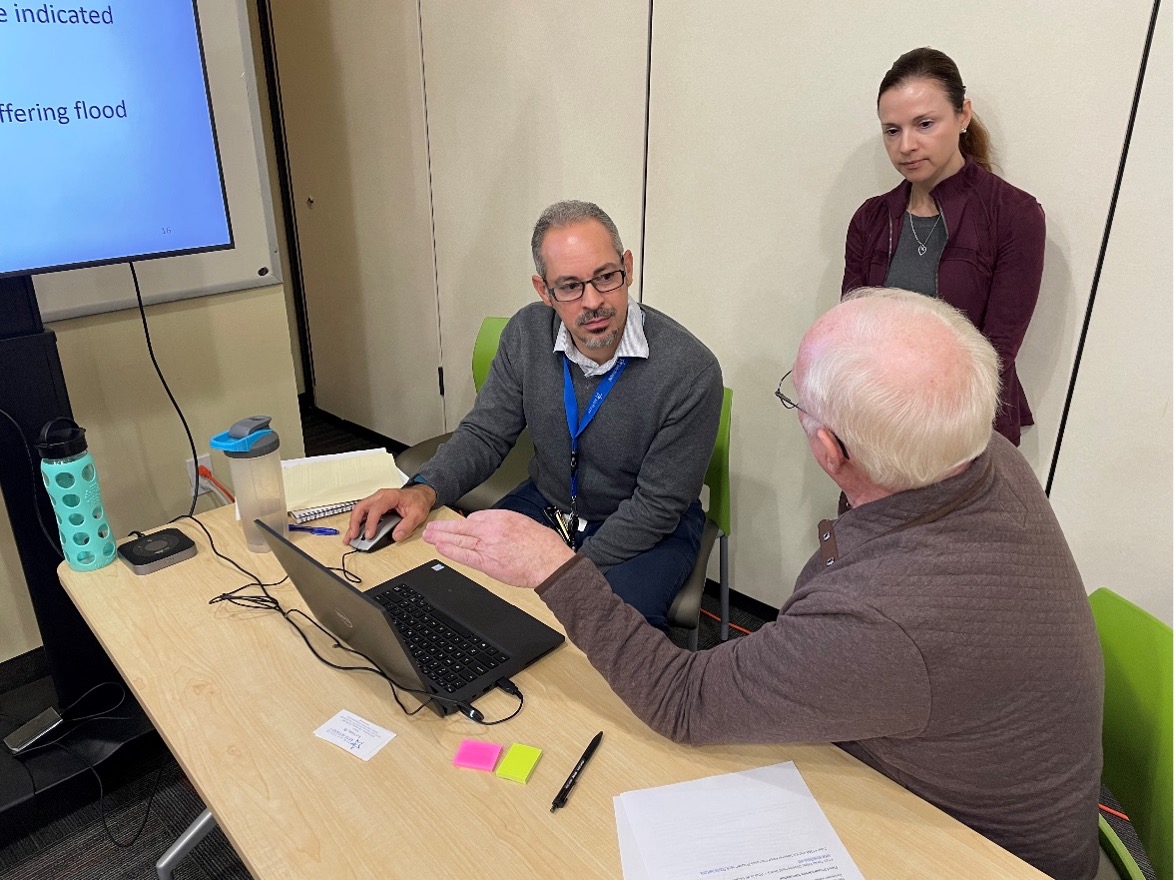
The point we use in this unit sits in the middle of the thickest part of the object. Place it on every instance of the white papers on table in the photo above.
(323, 482)
(354, 734)
(762, 823)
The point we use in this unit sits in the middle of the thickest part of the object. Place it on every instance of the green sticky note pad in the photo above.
(518, 762)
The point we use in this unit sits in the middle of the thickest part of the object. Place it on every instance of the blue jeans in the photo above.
(650, 580)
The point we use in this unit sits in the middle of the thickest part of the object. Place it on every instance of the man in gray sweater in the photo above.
(623, 406)
(940, 633)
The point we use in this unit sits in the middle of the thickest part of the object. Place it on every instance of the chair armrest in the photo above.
(510, 473)
(686, 605)
(411, 459)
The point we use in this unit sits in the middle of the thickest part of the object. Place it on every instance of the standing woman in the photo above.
(952, 229)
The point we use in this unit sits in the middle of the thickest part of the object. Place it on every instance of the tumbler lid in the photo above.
(61, 438)
(248, 438)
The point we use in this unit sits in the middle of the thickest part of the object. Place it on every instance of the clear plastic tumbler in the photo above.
(256, 471)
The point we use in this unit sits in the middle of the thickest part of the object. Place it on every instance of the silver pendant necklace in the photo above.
(922, 245)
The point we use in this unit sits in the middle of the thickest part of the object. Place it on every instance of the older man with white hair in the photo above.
(940, 633)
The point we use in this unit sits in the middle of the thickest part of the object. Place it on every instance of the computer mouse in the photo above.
(383, 534)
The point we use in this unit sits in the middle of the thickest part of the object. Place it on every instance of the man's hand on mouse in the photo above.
(413, 503)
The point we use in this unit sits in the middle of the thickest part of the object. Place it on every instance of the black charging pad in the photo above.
(157, 550)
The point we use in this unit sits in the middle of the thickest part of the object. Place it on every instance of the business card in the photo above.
(354, 734)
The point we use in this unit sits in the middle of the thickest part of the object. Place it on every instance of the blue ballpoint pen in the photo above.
(314, 530)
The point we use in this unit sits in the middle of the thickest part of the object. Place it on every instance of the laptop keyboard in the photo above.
(447, 653)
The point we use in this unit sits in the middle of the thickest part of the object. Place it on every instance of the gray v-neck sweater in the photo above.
(643, 456)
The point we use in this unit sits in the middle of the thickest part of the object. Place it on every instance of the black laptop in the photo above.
(431, 629)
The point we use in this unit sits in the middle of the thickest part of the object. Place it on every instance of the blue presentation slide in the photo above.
(107, 149)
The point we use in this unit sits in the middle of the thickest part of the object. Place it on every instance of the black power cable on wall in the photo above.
(1102, 250)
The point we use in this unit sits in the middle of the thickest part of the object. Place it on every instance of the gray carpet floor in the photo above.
(81, 846)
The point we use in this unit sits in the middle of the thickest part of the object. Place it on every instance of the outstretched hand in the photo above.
(505, 545)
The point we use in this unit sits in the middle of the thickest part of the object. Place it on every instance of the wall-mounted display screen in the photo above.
(108, 149)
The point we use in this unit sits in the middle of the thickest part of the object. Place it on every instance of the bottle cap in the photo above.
(61, 438)
(248, 438)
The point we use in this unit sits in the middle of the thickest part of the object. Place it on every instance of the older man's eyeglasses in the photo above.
(605, 282)
(789, 403)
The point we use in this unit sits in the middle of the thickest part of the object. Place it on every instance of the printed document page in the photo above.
(345, 476)
(762, 824)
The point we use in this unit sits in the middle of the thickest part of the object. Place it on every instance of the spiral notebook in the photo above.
(306, 514)
(325, 485)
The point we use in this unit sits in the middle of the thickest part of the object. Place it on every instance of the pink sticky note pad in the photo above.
(477, 755)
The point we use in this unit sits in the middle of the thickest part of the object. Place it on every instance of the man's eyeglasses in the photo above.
(605, 282)
(789, 403)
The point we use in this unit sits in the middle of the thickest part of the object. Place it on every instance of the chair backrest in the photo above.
(485, 347)
(1137, 719)
(718, 472)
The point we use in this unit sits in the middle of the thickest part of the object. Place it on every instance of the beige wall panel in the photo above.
(353, 106)
(527, 104)
(1113, 487)
(225, 357)
(764, 140)
(18, 624)
(275, 192)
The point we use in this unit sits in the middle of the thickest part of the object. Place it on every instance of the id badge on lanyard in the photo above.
(576, 426)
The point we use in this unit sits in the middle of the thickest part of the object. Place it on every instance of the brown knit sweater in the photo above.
(941, 635)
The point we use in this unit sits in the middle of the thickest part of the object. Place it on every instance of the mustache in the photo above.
(603, 311)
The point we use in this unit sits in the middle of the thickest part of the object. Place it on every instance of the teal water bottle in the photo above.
(71, 479)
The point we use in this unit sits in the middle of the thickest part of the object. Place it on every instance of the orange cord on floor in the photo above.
(715, 617)
(1107, 809)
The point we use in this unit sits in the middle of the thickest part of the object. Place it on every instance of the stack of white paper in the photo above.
(327, 484)
(761, 823)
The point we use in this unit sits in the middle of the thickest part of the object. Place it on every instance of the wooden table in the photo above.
(237, 696)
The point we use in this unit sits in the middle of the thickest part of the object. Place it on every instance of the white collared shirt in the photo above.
(633, 344)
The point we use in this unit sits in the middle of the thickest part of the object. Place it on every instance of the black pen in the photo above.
(562, 797)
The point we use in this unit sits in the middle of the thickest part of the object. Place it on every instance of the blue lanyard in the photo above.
(576, 424)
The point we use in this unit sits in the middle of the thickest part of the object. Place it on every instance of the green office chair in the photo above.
(513, 469)
(687, 604)
(1137, 729)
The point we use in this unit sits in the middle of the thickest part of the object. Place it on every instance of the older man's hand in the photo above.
(505, 545)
